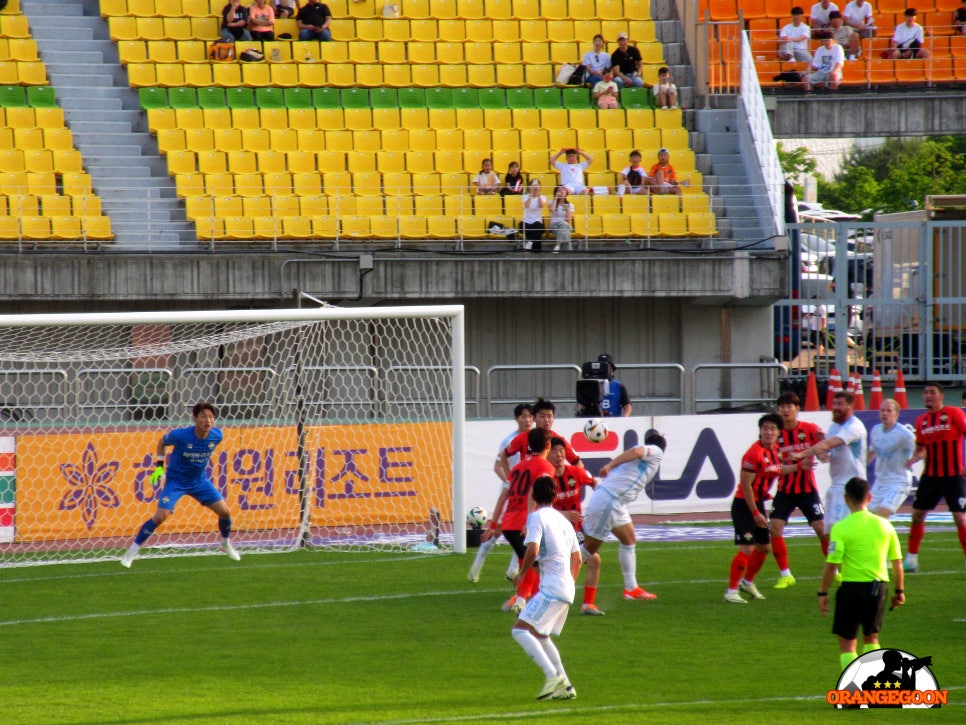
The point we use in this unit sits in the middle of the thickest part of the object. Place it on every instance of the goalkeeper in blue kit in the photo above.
(185, 475)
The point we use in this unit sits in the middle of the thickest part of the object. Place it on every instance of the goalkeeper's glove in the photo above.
(158, 474)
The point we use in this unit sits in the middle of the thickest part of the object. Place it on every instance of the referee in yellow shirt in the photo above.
(861, 545)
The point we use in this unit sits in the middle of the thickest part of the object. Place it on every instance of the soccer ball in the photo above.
(594, 430)
(477, 517)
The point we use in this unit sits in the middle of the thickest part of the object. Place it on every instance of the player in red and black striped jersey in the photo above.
(570, 487)
(760, 467)
(796, 486)
(543, 415)
(515, 504)
(940, 432)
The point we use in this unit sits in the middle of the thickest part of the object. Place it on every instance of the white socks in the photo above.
(533, 647)
(627, 556)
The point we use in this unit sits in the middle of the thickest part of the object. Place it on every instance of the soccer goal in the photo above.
(342, 428)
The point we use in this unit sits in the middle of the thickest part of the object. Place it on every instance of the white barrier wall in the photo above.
(700, 469)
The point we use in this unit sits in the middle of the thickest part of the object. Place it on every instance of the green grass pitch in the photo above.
(316, 637)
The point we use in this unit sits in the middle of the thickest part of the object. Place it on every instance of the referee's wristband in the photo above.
(900, 591)
(823, 594)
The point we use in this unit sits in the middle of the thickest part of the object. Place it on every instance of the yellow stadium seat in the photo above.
(455, 183)
(278, 182)
(391, 161)
(98, 227)
(632, 204)
(219, 184)
(588, 225)
(369, 205)
(86, 205)
(41, 183)
(169, 75)
(141, 75)
(355, 227)
(672, 224)
(199, 206)
(413, 226)
(256, 75)
(420, 162)
(644, 225)
(238, 227)
(284, 75)
(414, 118)
(35, 227)
(150, 28)
(702, 225)
(23, 204)
(616, 225)
(189, 184)
(66, 227)
(307, 184)
(481, 76)
(397, 184)
(119, 28)
(367, 183)
(312, 75)
(227, 139)
(334, 52)
(386, 118)
(162, 51)
(210, 228)
(300, 227)
(67, 161)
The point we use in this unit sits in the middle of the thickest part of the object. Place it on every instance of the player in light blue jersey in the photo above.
(186, 476)
(845, 449)
(622, 481)
(891, 445)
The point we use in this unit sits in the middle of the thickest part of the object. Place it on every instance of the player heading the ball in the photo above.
(186, 475)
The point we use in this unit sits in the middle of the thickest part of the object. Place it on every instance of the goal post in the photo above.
(343, 428)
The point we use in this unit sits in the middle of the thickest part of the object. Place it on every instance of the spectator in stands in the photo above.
(513, 184)
(286, 8)
(826, 68)
(533, 228)
(959, 19)
(908, 39)
(313, 20)
(261, 21)
(665, 92)
(858, 16)
(561, 218)
(572, 171)
(605, 92)
(844, 36)
(486, 182)
(662, 179)
(633, 177)
(818, 17)
(793, 38)
(234, 22)
(626, 62)
(596, 61)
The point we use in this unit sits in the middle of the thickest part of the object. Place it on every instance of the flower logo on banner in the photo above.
(89, 486)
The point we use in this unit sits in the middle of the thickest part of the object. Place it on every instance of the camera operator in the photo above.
(614, 400)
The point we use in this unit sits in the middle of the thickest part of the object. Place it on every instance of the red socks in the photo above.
(755, 562)
(529, 585)
(962, 537)
(780, 548)
(738, 565)
(916, 532)
(590, 594)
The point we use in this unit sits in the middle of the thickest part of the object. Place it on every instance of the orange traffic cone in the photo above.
(875, 394)
(900, 393)
(857, 392)
(811, 392)
(834, 385)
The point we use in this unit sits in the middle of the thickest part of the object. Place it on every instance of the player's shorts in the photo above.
(810, 504)
(204, 492)
(545, 615)
(859, 604)
(835, 507)
(602, 514)
(889, 496)
(516, 541)
(746, 531)
(575, 188)
(933, 488)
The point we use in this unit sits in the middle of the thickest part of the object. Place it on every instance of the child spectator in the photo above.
(486, 182)
(513, 183)
(572, 171)
(561, 218)
(633, 177)
(605, 92)
(793, 38)
(533, 228)
(665, 92)
(662, 179)
(908, 39)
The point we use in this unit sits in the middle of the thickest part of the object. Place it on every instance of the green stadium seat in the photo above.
(546, 97)
(575, 98)
(211, 97)
(238, 97)
(383, 97)
(181, 97)
(466, 97)
(519, 98)
(269, 97)
(355, 98)
(41, 97)
(149, 97)
(412, 98)
(326, 98)
(439, 97)
(298, 98)
(492, 98)
(636, 98)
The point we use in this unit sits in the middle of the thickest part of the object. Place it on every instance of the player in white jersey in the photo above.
(523, 414)
(552, 540)
(845, 449)
(622, 481)
(891, 445)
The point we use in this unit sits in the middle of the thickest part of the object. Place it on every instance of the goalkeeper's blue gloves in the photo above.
(158, 474)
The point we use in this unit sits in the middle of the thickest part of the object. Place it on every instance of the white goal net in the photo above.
(342, 428)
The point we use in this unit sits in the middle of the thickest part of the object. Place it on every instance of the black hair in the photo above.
(856, 489)
(518, 411)
(537, 439)
(544, 490)
(202, 405)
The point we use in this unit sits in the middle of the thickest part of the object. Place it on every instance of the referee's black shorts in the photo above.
(859, 603)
